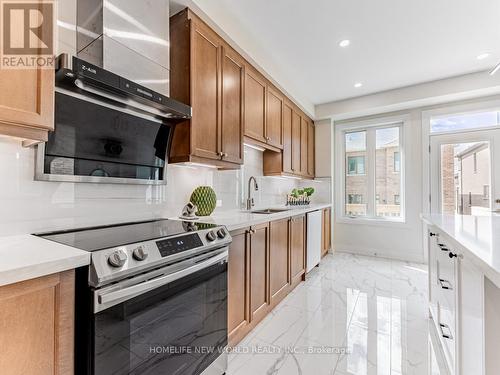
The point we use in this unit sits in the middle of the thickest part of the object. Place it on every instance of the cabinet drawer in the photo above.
(447, 333)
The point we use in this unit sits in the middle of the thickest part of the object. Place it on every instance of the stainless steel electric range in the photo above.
(153, 300)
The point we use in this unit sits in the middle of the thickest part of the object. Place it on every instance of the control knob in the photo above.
(211, 236)
(221, 233)
(139, 253)
(117, 258)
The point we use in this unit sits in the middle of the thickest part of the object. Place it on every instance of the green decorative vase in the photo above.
(205, 200)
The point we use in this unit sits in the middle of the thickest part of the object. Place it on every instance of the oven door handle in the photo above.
(107, 300)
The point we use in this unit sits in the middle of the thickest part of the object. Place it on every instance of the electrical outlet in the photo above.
(219, 203)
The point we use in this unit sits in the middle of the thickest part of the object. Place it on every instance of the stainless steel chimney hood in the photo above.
(127, 37)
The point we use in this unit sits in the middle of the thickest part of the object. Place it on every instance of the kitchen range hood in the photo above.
(77, 76)
(114, 119)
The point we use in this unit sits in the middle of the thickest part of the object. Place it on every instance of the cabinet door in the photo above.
(297, 248)
(27, 103)
(233, 77)
(259, 271)
(255, 106)
(237, 307)
(326, 235)
(310, 149)
(303, 146)
(274, 118)
(36, 325)
(278, 255)
(287, 138)
(296, 144)
(205, 93)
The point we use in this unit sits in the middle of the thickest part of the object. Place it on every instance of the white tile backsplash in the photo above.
(28, 206)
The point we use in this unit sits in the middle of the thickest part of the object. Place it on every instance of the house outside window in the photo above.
(397, 162)
(356, 165)
(486, 192)
(397, 199)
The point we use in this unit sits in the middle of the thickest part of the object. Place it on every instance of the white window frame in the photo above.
(370, 126)
(449, 109)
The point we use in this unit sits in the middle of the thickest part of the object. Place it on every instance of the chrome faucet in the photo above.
(250, 202)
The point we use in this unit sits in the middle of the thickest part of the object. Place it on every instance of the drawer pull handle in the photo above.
(447, 335)
(432, 234)
(445, 284)
(452, 255)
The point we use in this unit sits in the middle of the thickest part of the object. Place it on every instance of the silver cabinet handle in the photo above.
(124, 294)
(445, 284)
(447, 334)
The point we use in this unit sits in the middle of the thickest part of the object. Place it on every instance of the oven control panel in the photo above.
(171, 246)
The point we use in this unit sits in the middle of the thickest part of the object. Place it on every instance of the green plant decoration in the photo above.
(205, 199)
(309, 191)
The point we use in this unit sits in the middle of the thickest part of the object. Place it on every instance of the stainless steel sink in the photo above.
(268, 211)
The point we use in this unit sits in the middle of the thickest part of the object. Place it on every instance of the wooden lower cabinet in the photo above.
(259, 271)
(238, 275)
(37, 326)
(265, 263)
(326, 240)
(278, 273)
(297, 249)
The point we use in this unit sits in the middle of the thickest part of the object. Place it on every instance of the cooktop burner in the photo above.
(104, 237)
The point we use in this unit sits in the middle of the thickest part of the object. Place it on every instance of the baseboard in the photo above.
(383, 254)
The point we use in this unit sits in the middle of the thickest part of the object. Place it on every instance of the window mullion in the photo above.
(371, 170)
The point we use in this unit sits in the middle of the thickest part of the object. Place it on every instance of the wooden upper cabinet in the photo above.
(296, 142)
(310, 149)
(304, 130)
(206, 84)
(287, 138)
(255, 105)
(233, 83)
(208, 75)
(27, 103)
(274, 119)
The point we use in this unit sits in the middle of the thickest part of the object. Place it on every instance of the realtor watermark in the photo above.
(27, 34)
(252, 349)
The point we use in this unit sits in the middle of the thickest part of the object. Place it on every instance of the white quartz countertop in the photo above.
(478, 236)
(26, 257)
(237, 219)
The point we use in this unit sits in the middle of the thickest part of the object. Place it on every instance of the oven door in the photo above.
(174, 323)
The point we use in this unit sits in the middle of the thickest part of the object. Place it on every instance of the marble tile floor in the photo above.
(353, 315)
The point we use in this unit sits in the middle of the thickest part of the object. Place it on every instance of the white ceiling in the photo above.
(394, 43)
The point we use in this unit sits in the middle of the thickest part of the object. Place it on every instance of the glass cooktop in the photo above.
(103, 237)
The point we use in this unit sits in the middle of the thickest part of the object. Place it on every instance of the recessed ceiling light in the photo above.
(344, 43)
(358, 85)
(483, 56)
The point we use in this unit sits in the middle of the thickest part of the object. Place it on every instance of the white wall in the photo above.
(28, 206)
(391, 240)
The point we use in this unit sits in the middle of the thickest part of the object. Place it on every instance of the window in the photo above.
(397, 162)
(373, 170)
(356, 164)
(356, 180)
(486, 192)
(467, 121)
(387, 184)
(355, 198)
